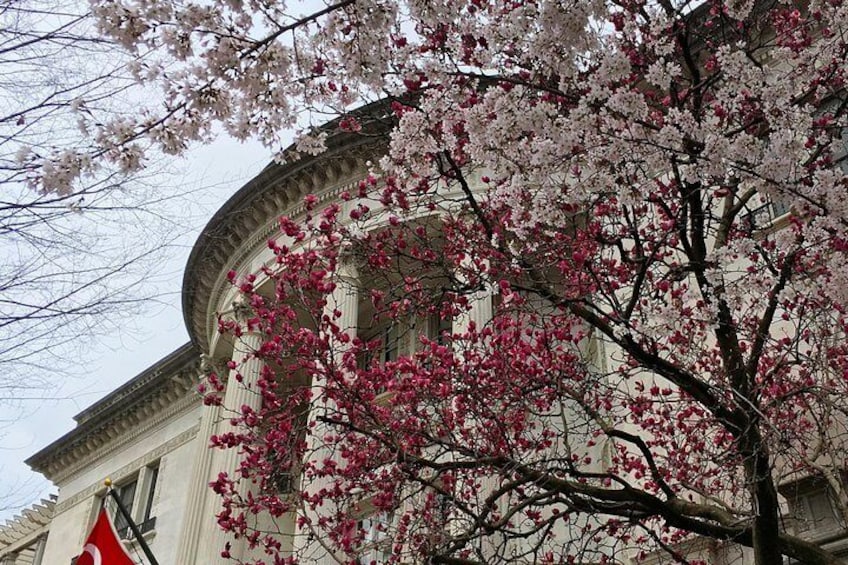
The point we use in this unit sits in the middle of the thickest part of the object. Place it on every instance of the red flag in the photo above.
(103, 546)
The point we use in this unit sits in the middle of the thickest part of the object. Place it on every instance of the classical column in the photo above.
(10, 558)
(481, 308)
(236, 395)
(480, 312)
(197, 519)
(344, 300)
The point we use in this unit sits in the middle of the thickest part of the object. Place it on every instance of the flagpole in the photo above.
(136, 532)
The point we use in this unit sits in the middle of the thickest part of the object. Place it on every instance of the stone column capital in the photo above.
(209, 365)
(241, 310)
(347, 270)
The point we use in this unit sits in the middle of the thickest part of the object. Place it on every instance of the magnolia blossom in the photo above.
(656, 192)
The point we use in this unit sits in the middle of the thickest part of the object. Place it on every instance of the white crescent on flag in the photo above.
(103, 545)
(92, 550)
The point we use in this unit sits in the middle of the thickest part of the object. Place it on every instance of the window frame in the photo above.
(141, 507)
(376, 544)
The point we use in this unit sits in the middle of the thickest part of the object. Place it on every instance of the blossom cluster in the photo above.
(651, 197)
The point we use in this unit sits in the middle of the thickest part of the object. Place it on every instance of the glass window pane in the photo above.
(154, 475)
(126, 493)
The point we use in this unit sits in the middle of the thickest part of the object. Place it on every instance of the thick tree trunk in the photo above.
(766, 527)
(766, 547)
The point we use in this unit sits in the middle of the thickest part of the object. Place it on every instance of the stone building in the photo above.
(143, 436)
(150, 436)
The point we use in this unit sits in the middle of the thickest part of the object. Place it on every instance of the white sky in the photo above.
(219, 170)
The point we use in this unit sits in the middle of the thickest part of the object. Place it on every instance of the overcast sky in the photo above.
(217, 170)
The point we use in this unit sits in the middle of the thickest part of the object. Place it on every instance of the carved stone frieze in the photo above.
(129, 468)
(249, 219)
(158, 394)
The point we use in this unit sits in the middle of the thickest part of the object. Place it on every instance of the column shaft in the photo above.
(343, 300)
(199, 517)
(236, 395)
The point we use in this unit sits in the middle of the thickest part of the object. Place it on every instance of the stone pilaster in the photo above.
(344, 300)
(198, 517)
(236, 395)
(38, 556)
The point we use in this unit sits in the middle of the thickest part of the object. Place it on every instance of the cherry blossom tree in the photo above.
(77, 237)
(649, 196)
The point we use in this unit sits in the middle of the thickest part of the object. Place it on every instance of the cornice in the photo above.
(133, 466)
(31, 523)
(256, 241)
(101, 448)
(248, 219)
(128, 393)
(158, 394)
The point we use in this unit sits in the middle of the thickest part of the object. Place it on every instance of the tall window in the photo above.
(376, 543)
(137, 495)
(815, 513)
(388, 344)
(439, 329)
(839, 147)
(126, 494)
(764, 215)
(148, 507)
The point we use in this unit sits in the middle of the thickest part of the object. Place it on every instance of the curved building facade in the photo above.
(151, 435)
